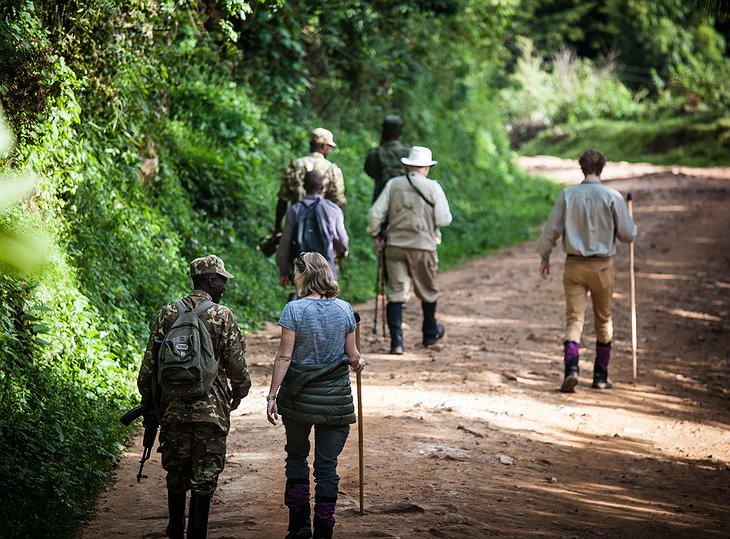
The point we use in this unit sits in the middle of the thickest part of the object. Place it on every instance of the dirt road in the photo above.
(472, 438)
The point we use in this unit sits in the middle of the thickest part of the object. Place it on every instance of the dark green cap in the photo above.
(392, 121)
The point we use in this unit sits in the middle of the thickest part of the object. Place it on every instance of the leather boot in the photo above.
(198, 519)
(176, 509)
(324, 517)
(296, 498)
(570, 357)
(394, 314)
(600, 367)
(432, 330)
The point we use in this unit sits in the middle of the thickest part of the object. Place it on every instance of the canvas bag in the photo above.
(187, 365)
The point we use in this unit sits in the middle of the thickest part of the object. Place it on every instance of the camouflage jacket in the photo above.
(383, 163)
(333, 188)
(230, 350)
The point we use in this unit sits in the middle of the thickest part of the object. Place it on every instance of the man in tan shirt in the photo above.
(415, 208)
(590, 217)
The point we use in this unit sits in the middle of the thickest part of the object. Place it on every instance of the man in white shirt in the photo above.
(590, 217)
(415, 208)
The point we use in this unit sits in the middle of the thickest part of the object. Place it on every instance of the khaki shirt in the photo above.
(230, 351)
(412, 222)
(292, 182)
(590, 217)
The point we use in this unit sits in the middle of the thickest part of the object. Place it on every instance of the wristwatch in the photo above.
(270, 398)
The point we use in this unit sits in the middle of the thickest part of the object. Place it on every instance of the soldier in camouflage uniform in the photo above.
(194, 429)
(291, 190)
(383, 162)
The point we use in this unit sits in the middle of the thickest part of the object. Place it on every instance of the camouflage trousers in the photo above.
(193, 455)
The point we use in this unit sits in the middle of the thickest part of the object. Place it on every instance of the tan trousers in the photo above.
(581, 275)
(411, 267)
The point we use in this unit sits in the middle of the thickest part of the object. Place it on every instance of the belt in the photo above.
(589, 256)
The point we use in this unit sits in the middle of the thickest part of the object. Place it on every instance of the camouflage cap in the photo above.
(322, 136)
(208, 264)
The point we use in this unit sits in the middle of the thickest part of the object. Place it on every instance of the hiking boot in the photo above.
(569, 382)
(600, 367)
(432, 339)
(571, 357)
(396, 349)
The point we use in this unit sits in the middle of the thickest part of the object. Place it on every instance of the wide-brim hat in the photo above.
(209, 264)
(420, 156)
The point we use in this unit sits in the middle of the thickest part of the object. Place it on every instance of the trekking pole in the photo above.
(377, 295)
(629, 201)
(382, 293)
(359, 421)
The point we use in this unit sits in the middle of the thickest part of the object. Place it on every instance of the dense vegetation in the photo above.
(148, 133)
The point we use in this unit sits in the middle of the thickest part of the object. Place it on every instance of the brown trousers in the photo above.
(582, 275)
(408, 268)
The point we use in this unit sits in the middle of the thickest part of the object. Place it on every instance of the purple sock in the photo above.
(325, 510)
(296, 495)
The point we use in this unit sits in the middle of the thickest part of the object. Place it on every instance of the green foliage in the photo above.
(697, 140)
(564, 90)
(660, 46)
(159, 131)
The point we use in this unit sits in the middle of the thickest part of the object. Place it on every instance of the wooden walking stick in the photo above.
(629, 201)
(359, 422)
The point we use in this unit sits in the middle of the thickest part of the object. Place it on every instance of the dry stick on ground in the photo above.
(359, 420)
(629, 201)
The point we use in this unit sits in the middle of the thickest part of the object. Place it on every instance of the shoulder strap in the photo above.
(202, 307)
(181, 307)
(427, 201)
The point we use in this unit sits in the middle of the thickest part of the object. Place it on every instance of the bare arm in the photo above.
(356, 362)
(281, 365)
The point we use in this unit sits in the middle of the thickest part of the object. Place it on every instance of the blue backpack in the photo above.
(310, 236)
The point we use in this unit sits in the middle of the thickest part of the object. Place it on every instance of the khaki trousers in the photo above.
(411, 268)
(581, 275)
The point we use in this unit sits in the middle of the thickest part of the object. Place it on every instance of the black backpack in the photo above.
(310, 236)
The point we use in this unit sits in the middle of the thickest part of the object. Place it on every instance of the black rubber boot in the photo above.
(176, 509)
(570, 357)
(394, 314)
(198, 520)
(432, 330)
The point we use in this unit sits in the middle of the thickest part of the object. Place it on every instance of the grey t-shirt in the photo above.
(320, 327)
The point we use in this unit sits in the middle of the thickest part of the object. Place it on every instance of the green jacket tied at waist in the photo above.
(318, 394)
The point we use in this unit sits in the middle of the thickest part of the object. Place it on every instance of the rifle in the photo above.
(150, 432)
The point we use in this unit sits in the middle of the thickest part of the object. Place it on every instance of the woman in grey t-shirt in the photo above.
(310, 387)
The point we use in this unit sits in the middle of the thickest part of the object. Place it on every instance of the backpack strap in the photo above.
(202, 307)
(181, 307)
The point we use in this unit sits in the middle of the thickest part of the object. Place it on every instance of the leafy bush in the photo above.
(564, 89)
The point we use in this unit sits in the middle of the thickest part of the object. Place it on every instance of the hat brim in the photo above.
(225, 274)
(408, 162)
